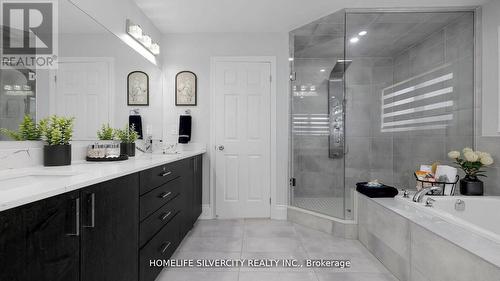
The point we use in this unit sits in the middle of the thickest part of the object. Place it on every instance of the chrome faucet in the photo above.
(148, 145)
(420, 194)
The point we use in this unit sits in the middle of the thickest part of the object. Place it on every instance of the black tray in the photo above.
(121, 158)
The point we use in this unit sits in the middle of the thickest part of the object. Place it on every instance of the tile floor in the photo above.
(253, 238)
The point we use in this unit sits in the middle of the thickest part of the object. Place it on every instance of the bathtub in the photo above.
(411, 239)
(479, 214)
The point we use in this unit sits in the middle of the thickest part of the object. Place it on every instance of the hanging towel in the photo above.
(136, 120)
(184, 128)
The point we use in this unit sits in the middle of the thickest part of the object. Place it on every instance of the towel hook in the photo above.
(134, 111)
(187, 111)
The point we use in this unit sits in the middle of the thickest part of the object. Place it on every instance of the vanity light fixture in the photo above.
(322, 70)
(155, 49)
(362, 33)
(354, 40)
(146, 41)
(136, 32)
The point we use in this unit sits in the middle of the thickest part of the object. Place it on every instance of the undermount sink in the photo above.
(16, 181)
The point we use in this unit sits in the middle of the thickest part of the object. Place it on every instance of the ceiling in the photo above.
(72, 20)
(187, 16)
(387, 34)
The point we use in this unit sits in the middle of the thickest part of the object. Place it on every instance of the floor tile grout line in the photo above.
(300, 238)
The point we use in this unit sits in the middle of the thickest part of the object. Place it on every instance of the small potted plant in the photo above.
(57, 132)
(28, 131)
(106, 133)
(471, 163)
(127, 136)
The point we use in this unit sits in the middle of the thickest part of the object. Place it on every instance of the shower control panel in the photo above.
(336, 112)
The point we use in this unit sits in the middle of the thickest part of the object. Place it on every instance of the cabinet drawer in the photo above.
(162, 246)
(153, 200)
(158, 219)
(157, 176)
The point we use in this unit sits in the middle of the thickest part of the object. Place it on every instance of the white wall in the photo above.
(490, 92)
(193, 52)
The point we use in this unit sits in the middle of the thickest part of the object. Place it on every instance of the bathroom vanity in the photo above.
(133, 212)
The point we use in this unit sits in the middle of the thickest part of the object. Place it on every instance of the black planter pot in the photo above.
(471, 186)
(127, 149)
(57, 155)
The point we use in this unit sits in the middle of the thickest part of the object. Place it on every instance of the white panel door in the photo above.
(242, 128)
(82, 91)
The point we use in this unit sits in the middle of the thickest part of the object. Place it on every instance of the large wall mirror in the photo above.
(89, 84)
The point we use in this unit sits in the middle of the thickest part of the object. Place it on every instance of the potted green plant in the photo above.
(106, 133)
(28, 131)
(57, 132)
(127, 136)
(471, 162)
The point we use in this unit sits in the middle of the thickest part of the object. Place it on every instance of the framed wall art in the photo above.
(137, 89)
(185, 89)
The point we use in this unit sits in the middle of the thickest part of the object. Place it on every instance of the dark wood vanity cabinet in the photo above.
(109, 231)
(39, 241)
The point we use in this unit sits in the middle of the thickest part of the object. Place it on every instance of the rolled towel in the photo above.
(184, 128)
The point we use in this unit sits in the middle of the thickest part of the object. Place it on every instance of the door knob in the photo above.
(220, 147)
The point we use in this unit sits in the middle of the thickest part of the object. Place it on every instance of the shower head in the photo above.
(339, 69)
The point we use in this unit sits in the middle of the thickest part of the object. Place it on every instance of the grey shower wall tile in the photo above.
(462, 123)
(358, 153)
(490, 145)
(492, 181)
(381, 153)
(422, 60)
(426, 148)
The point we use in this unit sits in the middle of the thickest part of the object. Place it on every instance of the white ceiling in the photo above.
(185, 16)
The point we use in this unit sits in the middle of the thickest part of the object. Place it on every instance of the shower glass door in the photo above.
(317, 116)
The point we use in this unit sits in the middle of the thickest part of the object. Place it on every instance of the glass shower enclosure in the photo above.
(373, 96)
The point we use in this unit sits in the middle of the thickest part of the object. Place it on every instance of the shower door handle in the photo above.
(220, 147)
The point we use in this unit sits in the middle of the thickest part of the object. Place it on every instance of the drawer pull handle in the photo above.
(165, 194)
(166, 174)
(164, 247)
(165, 216)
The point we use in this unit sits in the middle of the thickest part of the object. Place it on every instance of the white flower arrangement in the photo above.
(472, 161)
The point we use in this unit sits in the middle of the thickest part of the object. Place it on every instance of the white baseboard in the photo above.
(206, 212)
(279, 212)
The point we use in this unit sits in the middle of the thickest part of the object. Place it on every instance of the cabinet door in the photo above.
(187, 197)
(110, 230)
(197, 188)
(12, 245)
(52, 239)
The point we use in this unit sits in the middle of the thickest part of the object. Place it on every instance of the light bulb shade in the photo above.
(155, 49)
(146, 41)
(135, 31)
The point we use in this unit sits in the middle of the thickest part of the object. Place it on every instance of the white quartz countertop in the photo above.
(26, 185)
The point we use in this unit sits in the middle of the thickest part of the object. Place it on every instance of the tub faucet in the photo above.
(420, 194)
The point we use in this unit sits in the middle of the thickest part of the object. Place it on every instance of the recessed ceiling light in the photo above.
(363, 33)
(322, 70)
(354, 40)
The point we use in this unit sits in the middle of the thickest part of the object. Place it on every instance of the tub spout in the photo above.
(420, 194)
